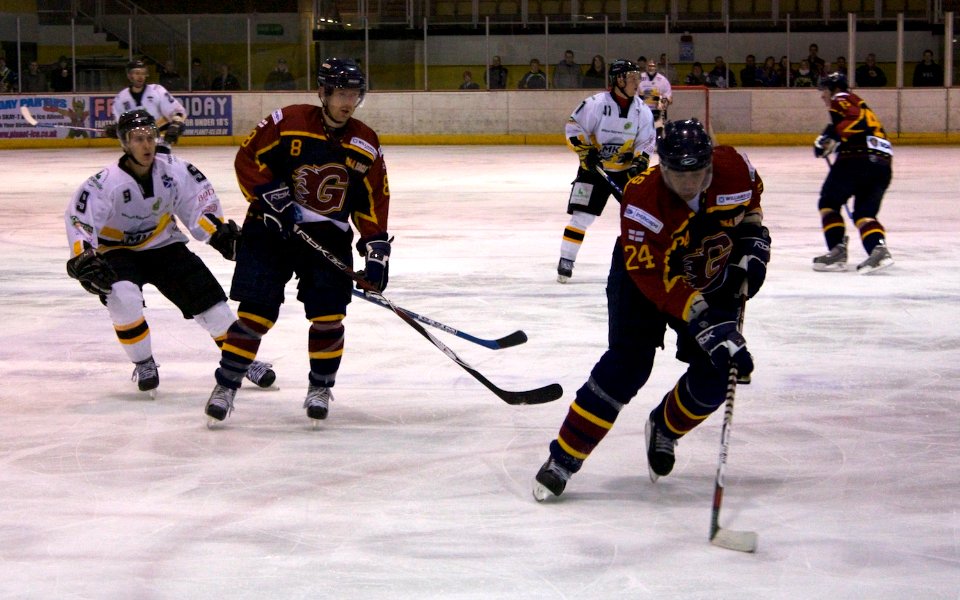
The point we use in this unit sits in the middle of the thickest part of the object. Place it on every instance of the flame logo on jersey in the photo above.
(702, 265)
(322, 189)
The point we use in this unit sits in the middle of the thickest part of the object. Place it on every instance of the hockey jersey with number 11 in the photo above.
(619, 135)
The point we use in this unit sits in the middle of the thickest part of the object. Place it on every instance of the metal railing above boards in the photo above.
(245, 52)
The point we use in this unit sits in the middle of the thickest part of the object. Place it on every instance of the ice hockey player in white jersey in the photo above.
(153, 98)
(612, 129)
(123, 233)
(655, 91)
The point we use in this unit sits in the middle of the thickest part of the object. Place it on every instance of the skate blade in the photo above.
(870, 270)
(213, 423)
(540, 492)
(834, 268)
(562, 278)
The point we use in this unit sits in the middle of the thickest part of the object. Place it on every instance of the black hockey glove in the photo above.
(639, 165)
(716, 331)
(377, 269)
(752, 253)
(826, 142)
(93, 272)
(589, 157)
(110, 130)
(173, 132)
(279, 209)
(226, 239)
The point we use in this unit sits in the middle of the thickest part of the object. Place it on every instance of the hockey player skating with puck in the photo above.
(862, 169)
(123, 234)
(692, 238)
(319, 168)
(612, 129)
(153, 98)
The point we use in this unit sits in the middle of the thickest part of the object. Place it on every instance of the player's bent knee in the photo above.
(125, 302)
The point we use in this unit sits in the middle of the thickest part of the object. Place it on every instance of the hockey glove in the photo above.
(716, 332)
(93, 272)
(279, 209)
(589, 157)
(826, 142)
(639, 165)
(226, 239)
(377, 269)
(754, 252)
(173, 132)
(110, 130)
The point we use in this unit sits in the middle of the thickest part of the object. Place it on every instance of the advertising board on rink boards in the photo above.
(207, 115)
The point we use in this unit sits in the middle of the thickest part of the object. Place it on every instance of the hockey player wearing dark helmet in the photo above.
(692, 242)
(342, 88)
(618, 69)
(169, 113)
(143, 123)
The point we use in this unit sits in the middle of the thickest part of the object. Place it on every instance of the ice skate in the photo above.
(146, 375)
(262, 375)
(660, 448)
(564, 270)
(317, 403)
(835, 260)
(220, 404)
(879, 259)
(550, 480)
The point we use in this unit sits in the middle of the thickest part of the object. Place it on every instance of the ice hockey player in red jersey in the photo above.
(692, 241)
(319, 168)
(862, 169)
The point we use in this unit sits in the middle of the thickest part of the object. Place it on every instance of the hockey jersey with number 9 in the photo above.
(112, 210)
(598, 121)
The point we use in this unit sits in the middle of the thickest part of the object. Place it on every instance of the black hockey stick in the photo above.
(617, 192)
(541, 395)
(29, 118)
(514, 339)
(742, 541)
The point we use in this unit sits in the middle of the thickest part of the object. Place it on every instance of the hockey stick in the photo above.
(617, 192)
(731, 539)
(541, 395)
(29, 118)
(514, 339)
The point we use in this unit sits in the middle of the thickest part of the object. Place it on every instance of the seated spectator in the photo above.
(170, 79)
(804, 75)
(534, 79)
(720, 76)
(199, 79)
(280, 78)
(840, 66)
(34, 80)
(61, 78)
(784, 71)
(468, 82)
(497, 74)
(225, 80)
(750, 75)
(566, 74)
(8, 78)
(596, 75)
(696, 76)
(664, 66)
(817, 65)
(928, 73)
(869, 74)
(770, 73)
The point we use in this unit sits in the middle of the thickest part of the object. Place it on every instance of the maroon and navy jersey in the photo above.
(338, 180)
(671, 252)
(857, 127)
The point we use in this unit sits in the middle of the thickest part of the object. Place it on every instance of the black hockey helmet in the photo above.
(619, 67)
(134, 119)
(341, 73)
(685, 146)
(136, 64)
(834, 82)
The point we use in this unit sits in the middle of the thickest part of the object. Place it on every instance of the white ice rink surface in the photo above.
(845, 454)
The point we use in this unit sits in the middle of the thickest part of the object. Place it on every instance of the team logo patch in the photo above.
(731, 199)
(635, 235)
(364, 145)
(643, 217)
(167, 181)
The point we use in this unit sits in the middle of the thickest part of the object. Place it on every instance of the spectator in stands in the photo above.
(170, 78)
(928, 73)
(34, 80)
(720, 76)
(225, 81)
(840, 66)
(869, 74)
(804, 76)
(497, 77)
(817, 64)
(61, 78)
(567, 75)
(468, 82)
(696, 76)
(770, 73)
(199, 80)
(750, 75)
(596, 75)
(785, 71)
(8, 78)
(534, 79)
(664, 67)
(280, 78)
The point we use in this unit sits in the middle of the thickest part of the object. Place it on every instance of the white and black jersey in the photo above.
(155, 99)
(619, 133)
(653, 90)
(113, 209)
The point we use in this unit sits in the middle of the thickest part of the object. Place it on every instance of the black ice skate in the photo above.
(261, 374)
(835, 260)
(317, 403)
(146, 375)
(879, 258)
(220, 404)
(660, 448)
(564, 270)
(550, 480)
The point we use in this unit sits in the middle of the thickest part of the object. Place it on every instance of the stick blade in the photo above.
(548, 393)
(25, 113)
(741, 541)
(514, 339)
